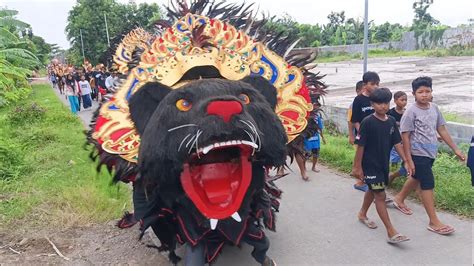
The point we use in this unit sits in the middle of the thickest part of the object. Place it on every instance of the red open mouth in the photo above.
(217, 177)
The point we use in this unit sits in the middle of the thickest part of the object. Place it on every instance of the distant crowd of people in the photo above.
(82, 85)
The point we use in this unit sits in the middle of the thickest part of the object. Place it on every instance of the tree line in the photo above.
(90, 16)
(87, 16)
(340, 30)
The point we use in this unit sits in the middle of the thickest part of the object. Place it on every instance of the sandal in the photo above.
(369, 223)
(405, 210)
(445, 230)
(362, 188)
(398, 238)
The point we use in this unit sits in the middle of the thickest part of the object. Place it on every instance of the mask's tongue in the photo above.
(219, 182)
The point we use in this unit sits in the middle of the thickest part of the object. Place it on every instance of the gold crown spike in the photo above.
(193, 41)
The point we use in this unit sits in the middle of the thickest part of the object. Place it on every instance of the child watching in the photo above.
(86, 92)
(400, 100)
(350, 126)
(378, 134)
(419, 125)
(312, 145)
(362, 108)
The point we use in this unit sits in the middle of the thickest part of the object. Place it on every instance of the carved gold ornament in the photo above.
(167, 58)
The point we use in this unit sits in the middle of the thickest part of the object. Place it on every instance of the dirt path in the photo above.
(94, 245)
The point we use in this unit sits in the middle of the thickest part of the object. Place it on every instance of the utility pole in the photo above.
(366, 34)
(82, 46)
(106, 29)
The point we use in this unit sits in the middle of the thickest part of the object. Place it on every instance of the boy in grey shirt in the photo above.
(419, 125)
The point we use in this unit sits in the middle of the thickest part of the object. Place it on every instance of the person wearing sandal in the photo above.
(378, 134)
(361, 108)
(419, 125)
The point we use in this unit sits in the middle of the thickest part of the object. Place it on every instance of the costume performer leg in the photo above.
(194, 256)
(260, 247)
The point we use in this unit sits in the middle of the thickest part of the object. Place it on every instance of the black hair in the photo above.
(421, 81)
(399, 94)
(381, 95)
(71, 83)
(359, 85)
(370, 77)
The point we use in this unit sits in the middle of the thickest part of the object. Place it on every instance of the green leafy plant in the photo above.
(11, 160)
(16, 59)
(26, 114)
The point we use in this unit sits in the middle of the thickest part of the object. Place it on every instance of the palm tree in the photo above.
(16, 60)
(8, 21)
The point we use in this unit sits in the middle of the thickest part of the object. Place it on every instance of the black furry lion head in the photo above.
(206, 137)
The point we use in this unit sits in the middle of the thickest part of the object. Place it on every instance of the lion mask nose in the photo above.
(224, 109)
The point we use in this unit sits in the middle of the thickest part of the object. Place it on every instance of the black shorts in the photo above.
(315, 153)
(423, 171)
(375, 179)
(470, 162)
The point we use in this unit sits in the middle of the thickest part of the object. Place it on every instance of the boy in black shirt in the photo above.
(378, 134)
(400, 100)
(362, 108)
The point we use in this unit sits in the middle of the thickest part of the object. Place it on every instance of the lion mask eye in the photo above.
(244, 98)
(183, 105)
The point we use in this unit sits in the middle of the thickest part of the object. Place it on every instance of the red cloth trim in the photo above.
(260, 236)
(193, 242)
(167, 210)
(178, 237)
(218, 249)
(270, 226)
(185, 231)
(242, 232)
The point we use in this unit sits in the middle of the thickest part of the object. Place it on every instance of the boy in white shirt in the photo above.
(86, 92)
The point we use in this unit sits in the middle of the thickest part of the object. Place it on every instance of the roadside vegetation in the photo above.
(328, 57)
(453, 190)
(21, 54)
(46, 176)
(453, 117)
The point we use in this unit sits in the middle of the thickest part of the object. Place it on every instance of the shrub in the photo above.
(11, 160)
(459, 50)
(437, 52)
(26, 114)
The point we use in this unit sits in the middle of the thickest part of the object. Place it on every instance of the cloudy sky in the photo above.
(49, 17)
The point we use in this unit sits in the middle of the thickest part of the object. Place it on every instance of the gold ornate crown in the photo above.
(193, 41)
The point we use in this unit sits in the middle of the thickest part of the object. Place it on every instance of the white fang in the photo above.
(236, 217)
(213, 223)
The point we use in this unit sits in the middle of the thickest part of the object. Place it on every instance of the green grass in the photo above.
(457, 118)
(337, 57)
(453, 185)
(46, 177)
